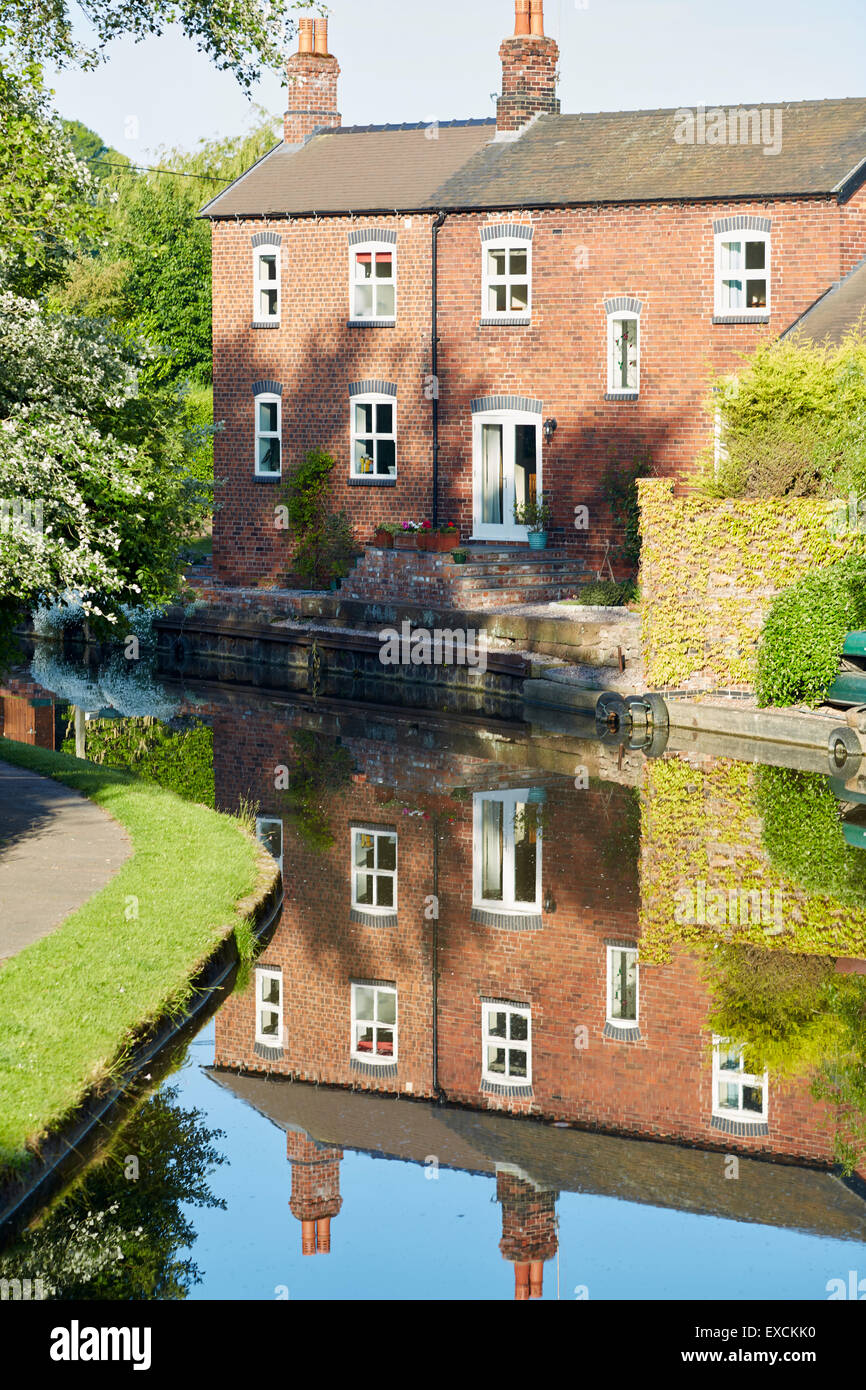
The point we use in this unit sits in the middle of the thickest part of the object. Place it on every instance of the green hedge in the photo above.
(801, 642)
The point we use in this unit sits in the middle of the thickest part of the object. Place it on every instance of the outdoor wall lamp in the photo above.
(549, 902)
(550, 428)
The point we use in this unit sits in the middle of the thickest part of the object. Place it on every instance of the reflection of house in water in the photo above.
(525, 994)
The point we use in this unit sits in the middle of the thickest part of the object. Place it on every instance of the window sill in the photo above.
(521, 322)
(372, 323)
(506, 1088)
(373, 1068)
(271, 323)
(741, 318)
(628, 1032)
(626, 397)
(507, 921)
(373, 919)
(267, 477)
(372, 481)
(740, 1127)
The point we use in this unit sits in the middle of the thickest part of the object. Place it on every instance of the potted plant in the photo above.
(409, 536)
(441, 538)
(383, 538)
(460, 557)
(536, 514)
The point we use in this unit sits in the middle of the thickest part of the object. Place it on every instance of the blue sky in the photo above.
(410, 60)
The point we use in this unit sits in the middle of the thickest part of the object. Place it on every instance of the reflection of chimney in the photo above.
(529, 69)
(315, 1190)
(528, 1231)
(313, 75)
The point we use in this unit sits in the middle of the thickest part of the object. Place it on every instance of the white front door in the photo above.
(506, 467)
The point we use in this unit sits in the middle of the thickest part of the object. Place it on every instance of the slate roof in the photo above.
(618, 156)
(569, 1160)
(840, 309)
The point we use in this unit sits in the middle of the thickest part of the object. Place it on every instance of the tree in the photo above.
(241, 36)
(47, 195)
(95, 463)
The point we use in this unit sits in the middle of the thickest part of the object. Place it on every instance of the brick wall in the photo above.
(661, 254)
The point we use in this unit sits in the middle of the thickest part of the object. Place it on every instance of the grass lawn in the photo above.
(72, 1004)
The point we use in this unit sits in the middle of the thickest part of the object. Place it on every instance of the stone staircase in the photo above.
(495, 576)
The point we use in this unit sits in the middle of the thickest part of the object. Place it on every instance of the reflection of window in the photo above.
(268, 436)
(506, 851)
(374, 283)
(622, 981)
(374, 869)
(269, 1008)
(507, 275)
(743, 274)
(266, 284)
(269, 833)
(623, 338)
(374, 436)
(736, 1091)
(374, 1022)
(507, 1042)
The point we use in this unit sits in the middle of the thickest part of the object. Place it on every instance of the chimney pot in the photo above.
(521, 17)
(323, 1235)
(322, 37)
(305, 36)
(308, 1237)
(536, 25)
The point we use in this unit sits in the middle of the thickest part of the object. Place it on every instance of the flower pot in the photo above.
(408, 540)
(460, 557)
(383, 540)
(439, 541)
(538, 540)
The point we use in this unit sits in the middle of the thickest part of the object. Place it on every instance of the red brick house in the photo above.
(468, 312)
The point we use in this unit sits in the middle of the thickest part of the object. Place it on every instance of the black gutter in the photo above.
(438, 223)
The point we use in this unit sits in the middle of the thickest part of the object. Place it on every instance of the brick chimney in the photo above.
(315, 1190)
(313, 75)
(529, 70)
(528, 1231)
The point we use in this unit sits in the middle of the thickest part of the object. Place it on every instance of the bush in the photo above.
(606, 593)
(801, 643)
(793, 421)
(619, 489)
(802, 834)
(324, 544)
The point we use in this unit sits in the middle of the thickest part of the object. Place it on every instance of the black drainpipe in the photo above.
(438, 223)
(438, 1093)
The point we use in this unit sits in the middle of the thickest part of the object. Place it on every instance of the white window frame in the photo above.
(267, 1039)
(267, 249)
(488, 281)
(488, 1007)
(509, 801)
(378, 989)
(609, 1014)
(614, 317)
(262, 824)
(364, 249)
(268, 398)
(373, 400)
(723, 311)
(743, 1079)
(377, 831)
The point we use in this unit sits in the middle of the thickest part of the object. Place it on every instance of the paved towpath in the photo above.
(57, 849)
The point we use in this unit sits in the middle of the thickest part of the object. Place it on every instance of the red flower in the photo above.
(428, 525)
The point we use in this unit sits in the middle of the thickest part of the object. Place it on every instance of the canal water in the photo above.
(547, 1013)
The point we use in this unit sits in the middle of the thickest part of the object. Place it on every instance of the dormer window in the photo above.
(373, 287)
(266, 284)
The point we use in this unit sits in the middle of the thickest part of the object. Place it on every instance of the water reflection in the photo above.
(641, 981)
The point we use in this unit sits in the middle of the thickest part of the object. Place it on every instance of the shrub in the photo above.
(801, 643)
(802, 834)
(324, 544)
(619, 489)
(606, 593)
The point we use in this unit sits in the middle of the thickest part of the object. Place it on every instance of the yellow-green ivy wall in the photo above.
(709, 570)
